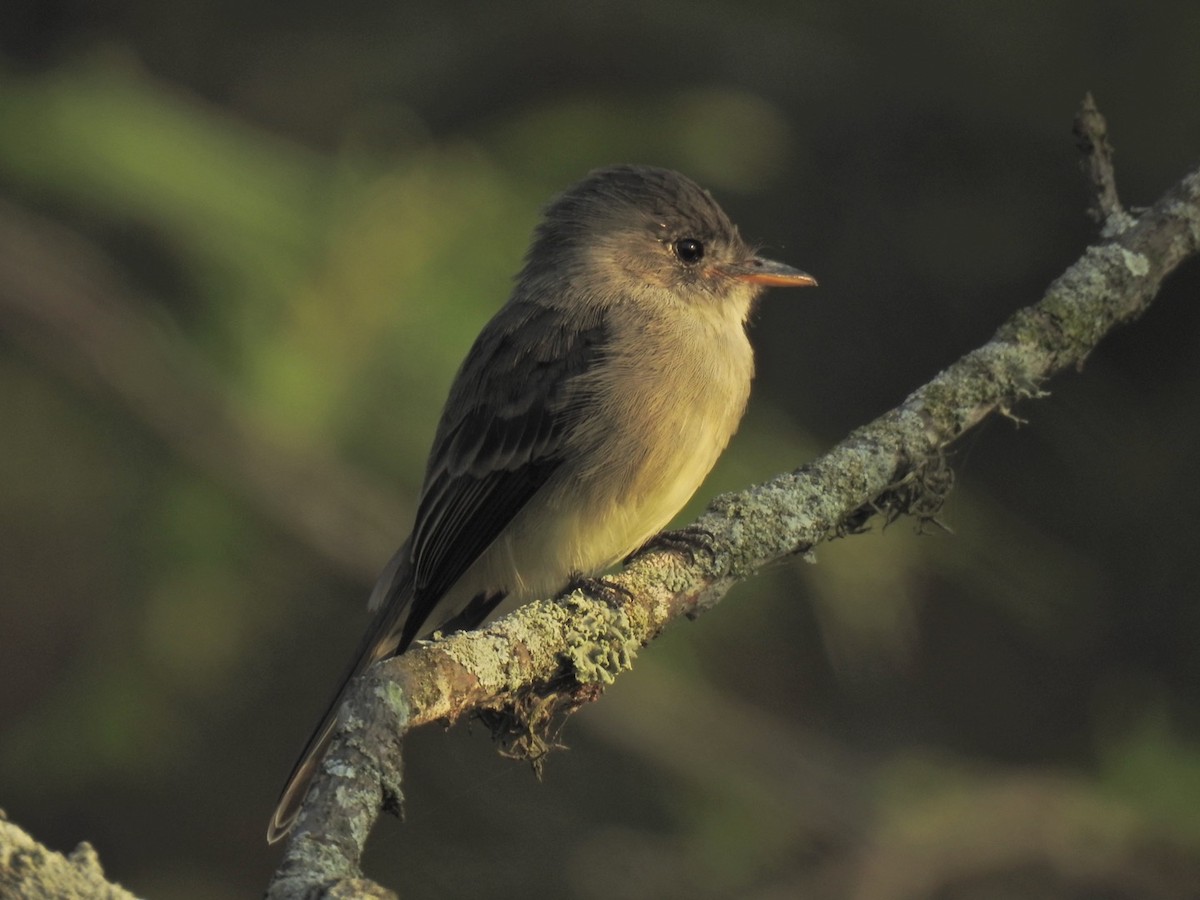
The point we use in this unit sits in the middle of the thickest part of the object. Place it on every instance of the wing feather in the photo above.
(501, 438)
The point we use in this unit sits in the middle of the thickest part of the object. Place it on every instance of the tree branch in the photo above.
(548, 658)
(1091, 136)
(68, 305)
(33, 872)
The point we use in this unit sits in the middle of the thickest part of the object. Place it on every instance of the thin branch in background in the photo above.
(67, 305)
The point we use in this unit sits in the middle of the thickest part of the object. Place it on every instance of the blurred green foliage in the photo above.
(314, 216)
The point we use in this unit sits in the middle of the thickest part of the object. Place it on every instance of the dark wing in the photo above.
(500, 439)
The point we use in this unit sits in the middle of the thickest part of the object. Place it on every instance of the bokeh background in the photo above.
(243, 248)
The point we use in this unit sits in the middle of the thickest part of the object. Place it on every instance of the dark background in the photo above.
(260, 238)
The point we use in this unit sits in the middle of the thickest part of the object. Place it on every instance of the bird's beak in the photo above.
(767, 272)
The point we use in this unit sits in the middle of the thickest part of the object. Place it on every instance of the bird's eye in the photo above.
(689, 251)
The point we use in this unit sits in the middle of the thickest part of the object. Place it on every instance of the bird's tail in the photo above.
(382, 639)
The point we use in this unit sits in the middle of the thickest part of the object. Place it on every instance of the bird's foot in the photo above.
(686, 542)
(601, 589)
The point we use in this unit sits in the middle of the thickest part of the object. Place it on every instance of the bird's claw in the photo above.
(604, 589)
(686, 542)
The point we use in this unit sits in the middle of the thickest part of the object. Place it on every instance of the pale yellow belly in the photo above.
(627, 473)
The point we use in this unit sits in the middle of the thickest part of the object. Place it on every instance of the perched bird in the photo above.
(586, 414)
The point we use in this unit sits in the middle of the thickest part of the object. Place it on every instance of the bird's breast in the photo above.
(649, 423)
(665, 403)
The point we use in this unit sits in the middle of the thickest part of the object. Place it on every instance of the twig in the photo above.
(1091, 136)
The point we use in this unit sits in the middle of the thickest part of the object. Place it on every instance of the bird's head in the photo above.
(631, 232)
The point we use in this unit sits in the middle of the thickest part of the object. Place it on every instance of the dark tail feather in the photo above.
(382, 639)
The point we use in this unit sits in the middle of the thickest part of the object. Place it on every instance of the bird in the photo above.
(585, 415)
